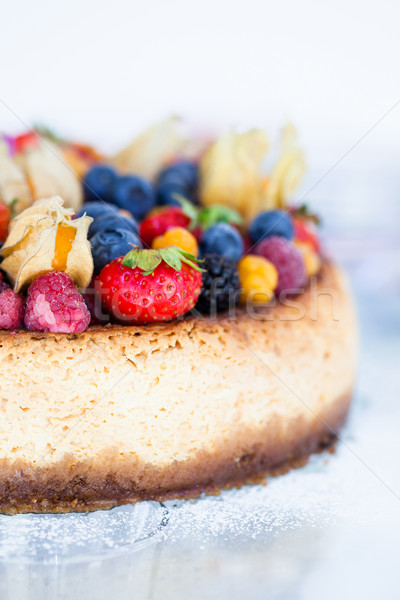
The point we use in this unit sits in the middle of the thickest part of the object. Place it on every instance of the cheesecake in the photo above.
(169, 328)
(119, 414)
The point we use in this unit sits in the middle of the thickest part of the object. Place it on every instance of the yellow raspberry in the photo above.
(258, 278)
(177, 236)
(312, 261)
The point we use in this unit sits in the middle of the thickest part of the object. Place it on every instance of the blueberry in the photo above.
(107, 245)
(222, 239)
(97, 209)
(113, 222)
(134, 194)
(272, 222)
(98, 183)
(166, 193)
(182, 178)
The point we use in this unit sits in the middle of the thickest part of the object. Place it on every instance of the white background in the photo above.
(101, 71)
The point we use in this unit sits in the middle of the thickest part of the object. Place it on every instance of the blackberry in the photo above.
(221, 285)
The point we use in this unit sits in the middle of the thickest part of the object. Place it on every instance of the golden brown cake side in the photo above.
(121, 414)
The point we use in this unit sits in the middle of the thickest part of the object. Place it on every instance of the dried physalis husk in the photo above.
(14, 187)
(152, 150)
(44, 238)
(49, 173)
(287, 173)
(230, 172)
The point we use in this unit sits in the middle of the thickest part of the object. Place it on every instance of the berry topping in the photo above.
(221, 285)
(182, 178)
(160, 221)
(272, 222)
(110, 244)
(134, 194)
(25, 141)
(110, 222)
(97, 209)
(288, 261)
(54, 304)
(179, 237)
(148, 286)
(98, 183)
(311, 259)
(304, 233)
(11, 309)
(5, 217)
(258, 279)
(222, 239)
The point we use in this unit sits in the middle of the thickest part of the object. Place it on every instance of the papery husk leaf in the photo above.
(49, 174)
(31, 245)
(151, 150)
(40, 215)
(80, 260)
(287, 173)
(230, 172)
(14, 187)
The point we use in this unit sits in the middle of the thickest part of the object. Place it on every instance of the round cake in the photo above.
(120, 414)
(224, 353)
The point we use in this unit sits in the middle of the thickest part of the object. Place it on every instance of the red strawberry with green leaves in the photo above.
(188, 216)
(160, 221)
(148, 286)
(304, 233)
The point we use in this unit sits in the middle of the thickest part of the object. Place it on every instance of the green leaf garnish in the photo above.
(45, 131)
(188, 208)
(206, 217)
(13, 207)
(171, 258)
(218, 213)
(148, 260)
(304, 212)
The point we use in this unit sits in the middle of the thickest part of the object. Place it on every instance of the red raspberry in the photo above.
(288, 261)
(54, 304)
(11, 310)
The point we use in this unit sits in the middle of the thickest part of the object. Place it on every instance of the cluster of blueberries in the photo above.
(106, 193)
(112, 233)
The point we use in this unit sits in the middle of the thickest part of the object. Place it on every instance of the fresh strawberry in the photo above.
(159, 221)
(5, 216)
(26, 140)
(149, 286)
(303, 233)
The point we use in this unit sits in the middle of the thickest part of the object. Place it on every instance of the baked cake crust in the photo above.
(122, 413)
